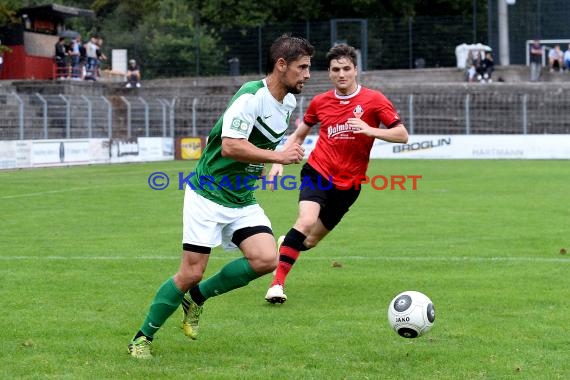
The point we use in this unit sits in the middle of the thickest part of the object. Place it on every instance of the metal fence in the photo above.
(485, 113)
(36, 116)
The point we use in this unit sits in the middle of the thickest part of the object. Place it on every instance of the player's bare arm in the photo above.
(244, 151)
(397, 134)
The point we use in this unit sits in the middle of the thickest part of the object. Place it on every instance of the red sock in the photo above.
(287, 257)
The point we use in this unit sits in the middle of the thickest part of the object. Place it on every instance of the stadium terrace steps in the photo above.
(407, 80)
(227, 85)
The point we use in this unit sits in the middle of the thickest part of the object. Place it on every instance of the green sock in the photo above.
(233, 275)
(165, 302)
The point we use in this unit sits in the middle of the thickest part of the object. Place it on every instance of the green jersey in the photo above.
(252, 114)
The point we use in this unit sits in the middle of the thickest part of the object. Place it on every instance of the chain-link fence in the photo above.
(527, 20)
(385, 43)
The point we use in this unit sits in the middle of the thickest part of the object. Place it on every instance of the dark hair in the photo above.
(289, 48)
(341, 51)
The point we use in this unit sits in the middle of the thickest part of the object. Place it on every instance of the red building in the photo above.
(32, 41)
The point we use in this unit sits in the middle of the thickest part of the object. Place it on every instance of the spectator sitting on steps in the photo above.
(133, 75)
(473, 64)
(555, 57)
(567, 59)
(486, 68)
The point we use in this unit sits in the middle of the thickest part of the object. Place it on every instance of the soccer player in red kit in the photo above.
(350, 117)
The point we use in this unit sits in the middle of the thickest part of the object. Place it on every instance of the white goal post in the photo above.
(545, 48)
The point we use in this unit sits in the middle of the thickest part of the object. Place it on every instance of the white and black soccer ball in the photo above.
(411, 314)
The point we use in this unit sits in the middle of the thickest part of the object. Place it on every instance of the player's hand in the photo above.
(360, 127)
(292, 154)
(276, 170)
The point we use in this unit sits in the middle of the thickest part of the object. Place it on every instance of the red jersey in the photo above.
(339, 153)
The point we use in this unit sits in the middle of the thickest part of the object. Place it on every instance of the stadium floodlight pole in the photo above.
(503, 14)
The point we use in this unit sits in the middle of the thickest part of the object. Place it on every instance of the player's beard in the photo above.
(295, 89)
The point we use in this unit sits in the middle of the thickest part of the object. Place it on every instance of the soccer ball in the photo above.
(411, 314)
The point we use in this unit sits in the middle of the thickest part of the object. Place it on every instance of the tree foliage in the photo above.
(181, 37)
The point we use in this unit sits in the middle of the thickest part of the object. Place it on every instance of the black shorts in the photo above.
(334, 202)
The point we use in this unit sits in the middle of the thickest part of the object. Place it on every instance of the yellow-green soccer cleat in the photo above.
(192, 313)
(140, 348)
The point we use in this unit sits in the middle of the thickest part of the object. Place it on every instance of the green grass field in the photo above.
(83, 249)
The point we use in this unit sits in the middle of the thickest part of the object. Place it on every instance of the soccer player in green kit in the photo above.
(219, 208)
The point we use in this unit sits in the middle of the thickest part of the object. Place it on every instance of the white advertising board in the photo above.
(14, 154)
(59, 152)
(156, 149)
(36, 153)
(476, 147)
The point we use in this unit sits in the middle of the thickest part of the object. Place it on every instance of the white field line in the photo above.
(308, 257)
(41, 193)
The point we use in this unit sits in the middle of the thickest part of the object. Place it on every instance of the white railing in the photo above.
(37, 116)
